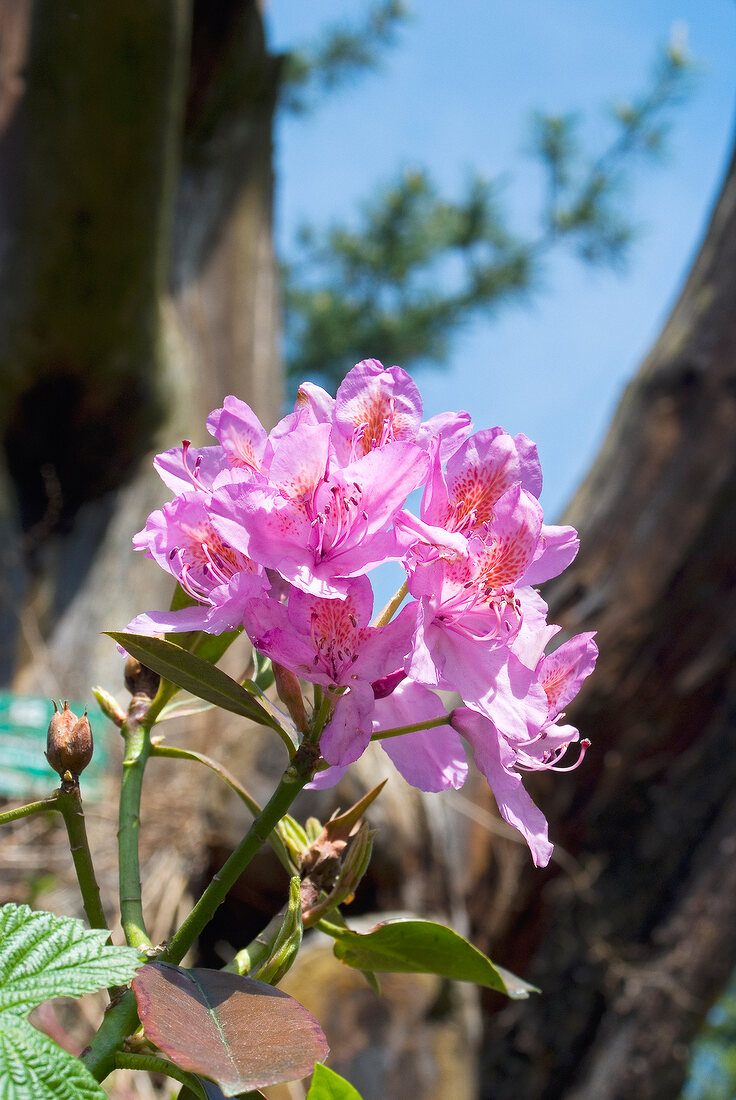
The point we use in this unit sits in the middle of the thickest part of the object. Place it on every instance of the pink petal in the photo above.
(495, 760)
(515, 535)
(348, 733)
(375, 405)
(557, 547)
(563, 671)
(240, 433)
(431, 760)
(177, 467)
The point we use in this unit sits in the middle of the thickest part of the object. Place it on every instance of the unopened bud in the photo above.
(69, 744)
(141, 680)
(290, 692)
(109, 705)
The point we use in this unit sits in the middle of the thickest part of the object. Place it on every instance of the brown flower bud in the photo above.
(139, 679)
(69, 744)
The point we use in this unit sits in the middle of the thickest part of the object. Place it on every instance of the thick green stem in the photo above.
(69, 803)
(416, 727)
(136, 731)
(30, 808)
(299, 772)
(120, 1021)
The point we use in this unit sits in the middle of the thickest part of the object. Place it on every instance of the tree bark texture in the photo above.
(630, 933)
(137, 290)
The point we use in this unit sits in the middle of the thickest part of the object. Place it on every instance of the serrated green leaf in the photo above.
(33, 1067)
(199, 678)
(44, 956)
(424, 947)
(328, 1085)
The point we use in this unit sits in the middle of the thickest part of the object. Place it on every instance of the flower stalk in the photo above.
(136, 733)
(30, 808)
(69, 805)
(299, 772)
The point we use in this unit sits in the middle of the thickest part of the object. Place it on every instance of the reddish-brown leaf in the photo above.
(240, 1032)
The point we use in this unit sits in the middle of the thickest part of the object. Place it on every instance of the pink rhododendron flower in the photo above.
(240, 434)
(431, 759)
(502, 758)
(496, 759)
(181, 538)
(317, 528)
(329, 642)
(276, 531)
(374, 405)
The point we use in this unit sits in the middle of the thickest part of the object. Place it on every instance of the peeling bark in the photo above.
(631, 938)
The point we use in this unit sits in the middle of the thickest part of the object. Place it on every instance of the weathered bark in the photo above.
(630, 935)
(137, 290)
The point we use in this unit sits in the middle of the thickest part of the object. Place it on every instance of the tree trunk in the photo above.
(630, 933)
(121, 335)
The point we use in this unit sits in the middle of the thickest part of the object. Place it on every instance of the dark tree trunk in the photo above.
(137, 290)
(630, 933)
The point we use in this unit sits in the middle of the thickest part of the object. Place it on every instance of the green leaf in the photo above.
(241, 1033)
(328, 1085)
(44, 956)
(33, 1067)
(424, 947)
(198, 677)
(287, 941)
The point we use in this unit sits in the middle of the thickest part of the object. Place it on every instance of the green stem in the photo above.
(30, 808)
(416, 727)
(120, 1021)
(153, 1064)
(69, 803)
(189, 754)
(255, 808)
(299, 772)
(391, 607)
(136, 731)
(321, 716)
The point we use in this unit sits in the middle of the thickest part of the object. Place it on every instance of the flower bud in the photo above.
(69, 744)
(290, 693)
(139, 679)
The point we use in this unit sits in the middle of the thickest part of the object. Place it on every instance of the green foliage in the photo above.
(382, 286)
(44, 956)
(341, 53)
(712, 1070)
(585, 193)
(201, 679)
(416, 264)
(425, 947)
(328, 1085)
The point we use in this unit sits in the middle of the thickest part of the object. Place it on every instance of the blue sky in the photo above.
(457, 93)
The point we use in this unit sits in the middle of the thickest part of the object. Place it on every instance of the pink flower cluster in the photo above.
(277, 531)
